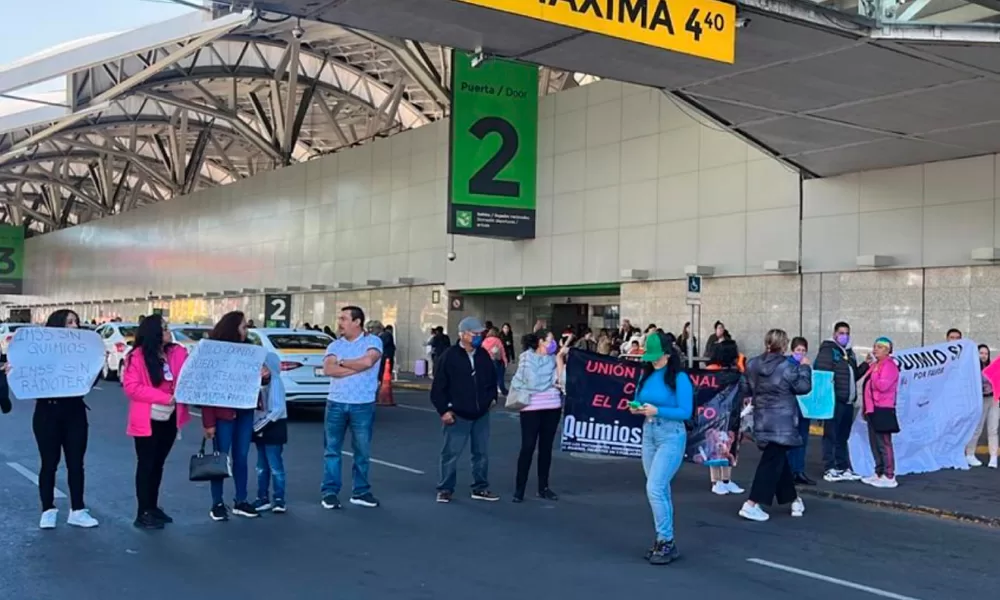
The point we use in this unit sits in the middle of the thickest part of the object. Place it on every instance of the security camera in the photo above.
(520, 297)
(477, 58)
(452, 256)
(742, 22)
(298, 32)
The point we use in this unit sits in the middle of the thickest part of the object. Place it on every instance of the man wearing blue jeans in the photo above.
(351, 361)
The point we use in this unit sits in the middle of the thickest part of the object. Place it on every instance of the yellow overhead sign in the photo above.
(703, 28)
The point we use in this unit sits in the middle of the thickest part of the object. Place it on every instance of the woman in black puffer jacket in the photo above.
(776, 380)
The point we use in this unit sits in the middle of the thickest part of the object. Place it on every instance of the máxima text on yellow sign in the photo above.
(703, 28)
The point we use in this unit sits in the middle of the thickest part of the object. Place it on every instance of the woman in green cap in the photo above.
(880, 383)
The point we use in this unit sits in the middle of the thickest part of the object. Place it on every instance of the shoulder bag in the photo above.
(210, 467)
(518, 398)
(882, 420)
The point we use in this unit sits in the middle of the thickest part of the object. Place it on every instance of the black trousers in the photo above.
(151, 453)
(538, 427)
(773, 478)
(60, 428)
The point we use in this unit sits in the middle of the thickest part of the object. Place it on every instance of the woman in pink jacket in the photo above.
(151, 369)
(880, 384)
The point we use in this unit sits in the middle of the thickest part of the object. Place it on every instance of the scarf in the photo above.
(274, 407)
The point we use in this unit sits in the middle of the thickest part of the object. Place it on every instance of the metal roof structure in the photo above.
(201, 100)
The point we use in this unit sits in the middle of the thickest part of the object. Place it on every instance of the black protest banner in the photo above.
(597, 420)
(710, 441)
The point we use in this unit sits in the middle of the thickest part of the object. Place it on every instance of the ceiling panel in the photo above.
(794, 135)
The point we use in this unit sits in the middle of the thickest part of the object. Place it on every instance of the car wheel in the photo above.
(121, 369)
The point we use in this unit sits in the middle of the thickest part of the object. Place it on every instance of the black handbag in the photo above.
(883, 420)
(210, 467)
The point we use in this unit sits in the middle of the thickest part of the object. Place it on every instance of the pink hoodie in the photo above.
(881, 385)
(142, 395)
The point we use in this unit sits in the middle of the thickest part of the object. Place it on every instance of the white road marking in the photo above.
(389, 464)
(420, 408)
(97, 387)
(848, 584)
(30, 476)
(194, 412)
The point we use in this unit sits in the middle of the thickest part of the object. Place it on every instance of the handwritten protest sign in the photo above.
(54, 362)
(222, 374)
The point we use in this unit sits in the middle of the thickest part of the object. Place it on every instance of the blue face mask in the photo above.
(843, 339)
(798, 356)
(477, 341)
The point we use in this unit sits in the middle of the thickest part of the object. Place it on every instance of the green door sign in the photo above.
(11, 259)
(494, 148)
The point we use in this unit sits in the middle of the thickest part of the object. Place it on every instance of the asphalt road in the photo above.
(588, 545)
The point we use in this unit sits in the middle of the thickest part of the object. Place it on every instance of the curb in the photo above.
(404, 385)
(904, 507)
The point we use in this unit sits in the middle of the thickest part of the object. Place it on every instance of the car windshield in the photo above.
(128, 332)
(299, 341)
(191, 334)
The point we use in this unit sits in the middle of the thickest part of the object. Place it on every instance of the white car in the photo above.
(301, 354)
(188, 335)
(7, 334)
(118, 338)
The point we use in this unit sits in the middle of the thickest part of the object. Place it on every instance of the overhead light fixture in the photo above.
(703, 270)
(987, 254)
(781, 266)
(874, 261)
(635, 274)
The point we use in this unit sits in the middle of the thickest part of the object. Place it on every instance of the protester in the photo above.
(61, 429)
(539, 373)
(5, 404)
(724, 360)
(586, 341)
(953, 335)
(270, 436)
(388, 337)
(837, 356)
(666, 398)
(231, 429)
(990, 418)
(797, 456)
(507, 337)
(718, 334)
(775, 381)
(879, 385)
(439, 342)
(686, 339)
(493, 344)
(350, 361)
(463, 391)
(154, 417)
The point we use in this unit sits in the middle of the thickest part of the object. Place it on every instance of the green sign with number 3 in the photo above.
(11, 259)
(494, 148)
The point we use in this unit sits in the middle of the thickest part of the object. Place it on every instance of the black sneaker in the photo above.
(147, 520)
(219, 512)
(160, 515)
(485, 495)
(444, 497)
(331, 502)
(664, 553)
(365, 500)
(245, 509)
(803, 479)
(651, 550)
(547, 494)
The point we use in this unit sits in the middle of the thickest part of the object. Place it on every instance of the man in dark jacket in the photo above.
(388, 337)
(837, 356)
(464, 390)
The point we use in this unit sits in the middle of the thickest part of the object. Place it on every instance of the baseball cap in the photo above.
(654, 350)
(470, 324)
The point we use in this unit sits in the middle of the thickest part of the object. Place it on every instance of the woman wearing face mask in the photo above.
(990, 419)
(538, 373)
(879, 386)
(231, 429)
(666, 399)
(151, 369)
(61, 429)
(797, 456)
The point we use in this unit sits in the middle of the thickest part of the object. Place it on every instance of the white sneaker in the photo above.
(754, 513)
(82, 518)
(833, 476)
(798, 507)
(993, 462)
(871, 480)
(720, 489)
(733, 488)
(888, 483)
(849, 475)
(49, 518)
(973, 461)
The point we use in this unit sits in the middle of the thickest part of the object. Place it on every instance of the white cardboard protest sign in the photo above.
(54, 362)
(938, 405)
(221, 374)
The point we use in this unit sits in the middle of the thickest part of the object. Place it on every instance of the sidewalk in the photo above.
(972, 495)
(409, 381)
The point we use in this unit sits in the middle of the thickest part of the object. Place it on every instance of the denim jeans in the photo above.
(270, 465)
(797, 455)
(663, 443)
(339, 417)
(501, 376)
(836, 431)
(234, 437)
(456, 436)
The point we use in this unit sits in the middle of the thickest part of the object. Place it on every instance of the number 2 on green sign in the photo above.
(484, 182)
(712, 21)
(7, 265)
